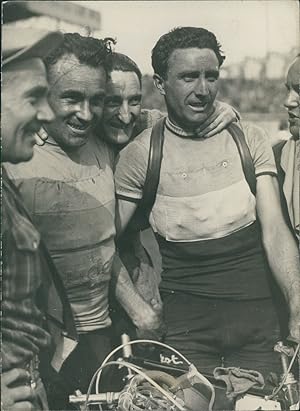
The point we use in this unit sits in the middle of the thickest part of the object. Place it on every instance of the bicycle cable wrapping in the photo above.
(157, 389)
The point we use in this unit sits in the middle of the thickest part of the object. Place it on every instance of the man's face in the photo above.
(24, 108)
(122, 106)
(292, 102)
(77, 97)
(191, 86)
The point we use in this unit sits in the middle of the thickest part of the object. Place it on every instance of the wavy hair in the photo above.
(182, 38)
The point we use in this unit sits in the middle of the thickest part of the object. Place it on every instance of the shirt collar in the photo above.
(178, 130)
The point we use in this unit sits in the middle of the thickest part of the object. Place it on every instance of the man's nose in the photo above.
(45, 113)
(292, 100)
(124, 113)
(201, 88)
(85, 113)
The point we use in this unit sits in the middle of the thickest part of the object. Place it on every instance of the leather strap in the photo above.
(154, 165)
(245, 155)
(155, 158)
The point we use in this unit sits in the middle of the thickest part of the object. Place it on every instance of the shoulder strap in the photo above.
(244, 152)
(156, 153)
(154, 164)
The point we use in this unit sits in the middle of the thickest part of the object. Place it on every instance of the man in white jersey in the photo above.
(220, 247)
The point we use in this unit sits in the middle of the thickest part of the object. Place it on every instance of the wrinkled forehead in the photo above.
(123, 81)
(69, 70)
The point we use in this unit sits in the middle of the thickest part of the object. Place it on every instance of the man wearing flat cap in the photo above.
(24, 109)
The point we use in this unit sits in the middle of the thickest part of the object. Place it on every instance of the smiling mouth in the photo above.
(199, 107)
(78, 128)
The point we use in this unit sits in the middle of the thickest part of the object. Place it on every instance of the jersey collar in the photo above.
(178, 130)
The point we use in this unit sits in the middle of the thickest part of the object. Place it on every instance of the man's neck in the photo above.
(179, 131)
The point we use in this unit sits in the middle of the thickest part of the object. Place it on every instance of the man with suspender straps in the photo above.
(123, 119)
(219, 244)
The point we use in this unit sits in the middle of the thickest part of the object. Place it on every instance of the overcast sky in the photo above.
(243, 27)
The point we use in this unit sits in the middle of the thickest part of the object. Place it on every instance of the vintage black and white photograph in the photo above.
(150, 205)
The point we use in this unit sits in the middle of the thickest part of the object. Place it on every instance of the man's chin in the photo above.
(193, 120)
(119, 137)
(193, 123)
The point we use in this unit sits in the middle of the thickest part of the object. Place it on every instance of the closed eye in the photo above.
(36, 94)
(212, 75)
(190, 76)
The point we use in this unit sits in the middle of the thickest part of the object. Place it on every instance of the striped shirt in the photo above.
(22, 333)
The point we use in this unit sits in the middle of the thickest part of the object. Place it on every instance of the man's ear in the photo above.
(159, 83)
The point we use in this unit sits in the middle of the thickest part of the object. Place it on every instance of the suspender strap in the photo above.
(245, 155)
(154, 165)
(156, 153)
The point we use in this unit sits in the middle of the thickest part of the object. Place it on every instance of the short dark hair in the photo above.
(182, 38)
(88, 50)
(121, 62)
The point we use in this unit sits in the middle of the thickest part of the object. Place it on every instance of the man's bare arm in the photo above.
(146, 317)
(124, 212)
(281, 248)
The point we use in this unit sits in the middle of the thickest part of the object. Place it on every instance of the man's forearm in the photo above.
(283, 257)
(140, 312)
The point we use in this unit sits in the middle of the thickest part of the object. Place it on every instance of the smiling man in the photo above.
(24, 109)
(69, 189)
(123, 100)
(217, 259)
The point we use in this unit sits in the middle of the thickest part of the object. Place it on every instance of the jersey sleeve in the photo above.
(261, 150)
(131, 170)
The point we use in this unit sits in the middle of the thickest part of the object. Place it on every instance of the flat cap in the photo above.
(24, 43)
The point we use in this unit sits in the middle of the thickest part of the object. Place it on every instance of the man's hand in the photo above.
(16, 398)
(149, 324)
(223, 115)
(41, 137)
(147, 317)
